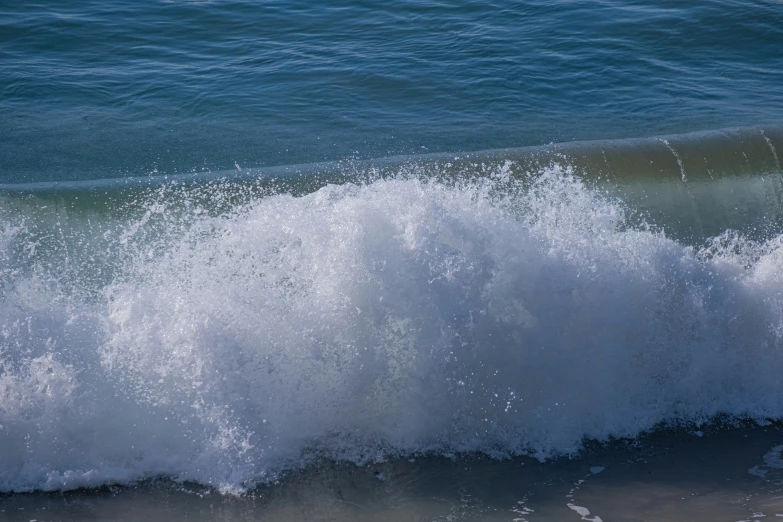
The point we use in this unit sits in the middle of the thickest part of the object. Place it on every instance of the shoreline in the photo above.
(715, 474)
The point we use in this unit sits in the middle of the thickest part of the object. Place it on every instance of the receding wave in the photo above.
(224, 332)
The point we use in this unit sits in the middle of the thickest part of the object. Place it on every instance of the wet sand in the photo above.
(710, 475)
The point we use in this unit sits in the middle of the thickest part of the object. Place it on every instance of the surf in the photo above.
(513, 302)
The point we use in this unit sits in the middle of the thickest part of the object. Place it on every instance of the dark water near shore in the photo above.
(356, 261)
(709, 475)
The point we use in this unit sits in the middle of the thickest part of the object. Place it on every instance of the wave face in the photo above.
(201, 336)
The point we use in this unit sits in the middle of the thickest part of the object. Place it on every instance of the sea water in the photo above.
(102, 89)
(242, 241)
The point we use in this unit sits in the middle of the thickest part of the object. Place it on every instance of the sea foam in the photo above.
(369, 321)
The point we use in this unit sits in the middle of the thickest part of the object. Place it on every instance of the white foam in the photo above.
(584, 513)
(363, 322)
(773, 457)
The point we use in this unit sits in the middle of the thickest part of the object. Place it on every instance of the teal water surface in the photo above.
(103, 89)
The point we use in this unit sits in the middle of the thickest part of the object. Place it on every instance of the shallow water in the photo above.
(707, 474)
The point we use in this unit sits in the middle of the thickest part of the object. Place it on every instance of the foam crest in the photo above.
(362, 322)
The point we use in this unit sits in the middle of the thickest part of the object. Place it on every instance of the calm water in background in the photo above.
(101, 89)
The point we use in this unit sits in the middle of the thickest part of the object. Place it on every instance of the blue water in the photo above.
(102, 89)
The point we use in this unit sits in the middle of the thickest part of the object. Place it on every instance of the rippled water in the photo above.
(99, 89)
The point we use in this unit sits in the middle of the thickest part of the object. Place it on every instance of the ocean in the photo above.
(413, 260)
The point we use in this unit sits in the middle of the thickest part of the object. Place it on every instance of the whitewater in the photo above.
(204, 336)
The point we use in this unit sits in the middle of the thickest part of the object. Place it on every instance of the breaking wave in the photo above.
(506, 315)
